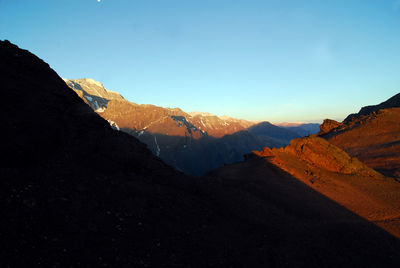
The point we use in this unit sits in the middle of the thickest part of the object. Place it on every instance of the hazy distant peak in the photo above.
(289, 124)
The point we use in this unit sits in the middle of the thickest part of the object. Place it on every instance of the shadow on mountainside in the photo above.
(198, 156)
(75, 192)
(275, 190)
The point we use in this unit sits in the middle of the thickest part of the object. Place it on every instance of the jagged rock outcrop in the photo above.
(328, 125)
(322, 154)
(266, 152)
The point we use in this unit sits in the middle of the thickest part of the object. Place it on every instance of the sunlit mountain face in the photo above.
(194, 142)
(371, 135)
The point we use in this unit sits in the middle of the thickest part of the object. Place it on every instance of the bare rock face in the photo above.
(218, 126)
(325, 155)
(327, 126)
(92, 87)
(266, 152)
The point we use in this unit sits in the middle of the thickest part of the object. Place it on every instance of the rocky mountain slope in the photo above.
(151, 118)
(191, 142)
(393, 102)
(76, 193)
(218, 126)
(332, 172)
(373, 136)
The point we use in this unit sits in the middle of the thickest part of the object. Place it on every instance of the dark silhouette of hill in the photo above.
(266, 129)
(76, 193)
(302, 129)
(198, 156)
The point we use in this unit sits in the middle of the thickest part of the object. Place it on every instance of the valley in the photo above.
(78, 190)
(193, 143)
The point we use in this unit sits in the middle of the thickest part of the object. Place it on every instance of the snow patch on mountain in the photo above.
(100, 110)
(200, 114)
(91, 81)
(158, 150)
(113, 125)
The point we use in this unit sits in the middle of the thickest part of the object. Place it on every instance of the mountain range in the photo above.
(77, 192)
(195, 142)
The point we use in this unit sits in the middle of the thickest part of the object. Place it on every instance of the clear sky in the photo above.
(254, 59)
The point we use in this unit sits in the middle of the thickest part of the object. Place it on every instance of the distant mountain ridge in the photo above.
(302, 129)
(193, 142)
(158, 119)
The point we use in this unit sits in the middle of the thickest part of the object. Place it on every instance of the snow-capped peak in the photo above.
(91, 81)
(225, 117)
(200, 113)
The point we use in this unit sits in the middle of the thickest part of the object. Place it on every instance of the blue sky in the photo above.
(254, 59)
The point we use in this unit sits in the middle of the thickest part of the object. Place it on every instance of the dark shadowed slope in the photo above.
(373, 136)
(302, 129)
(281, 135)
(75, 192)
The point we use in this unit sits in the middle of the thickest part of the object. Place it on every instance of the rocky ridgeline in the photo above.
(322, 154)
(372, 136)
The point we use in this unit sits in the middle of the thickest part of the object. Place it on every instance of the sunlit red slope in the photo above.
(344, 179)
(373, 136)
